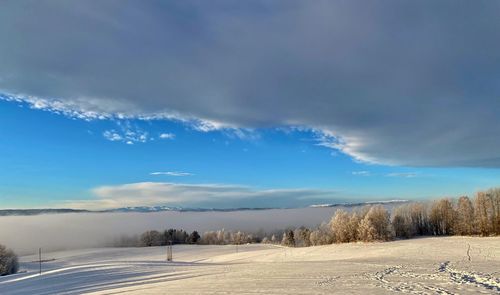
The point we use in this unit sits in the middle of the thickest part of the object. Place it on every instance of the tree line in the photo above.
(168, 237)
(444, 217)
(479, 216)
(152, 238)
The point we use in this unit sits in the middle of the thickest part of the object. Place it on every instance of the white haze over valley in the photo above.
(25, 234)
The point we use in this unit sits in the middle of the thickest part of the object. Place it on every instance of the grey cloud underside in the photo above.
(400, 83)
(199, 195)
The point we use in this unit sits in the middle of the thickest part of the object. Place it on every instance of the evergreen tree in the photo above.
(193, 238)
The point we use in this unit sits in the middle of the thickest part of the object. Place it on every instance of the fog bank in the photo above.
(25, 234)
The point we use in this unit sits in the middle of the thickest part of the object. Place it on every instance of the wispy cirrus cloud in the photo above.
(172, 173)
(392, 174)
(198, 195)
(362, 173)
(403, 174)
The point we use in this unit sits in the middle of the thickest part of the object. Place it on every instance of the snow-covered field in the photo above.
(417, 266)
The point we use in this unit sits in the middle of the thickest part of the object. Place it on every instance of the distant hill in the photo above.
(149, 209)
(390, 202)
(146, 209)
(139, 209)
(9, 212)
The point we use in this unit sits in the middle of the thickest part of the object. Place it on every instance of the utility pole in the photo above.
(169, 251)
(40, 259)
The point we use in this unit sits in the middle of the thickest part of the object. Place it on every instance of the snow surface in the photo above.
(416, 266)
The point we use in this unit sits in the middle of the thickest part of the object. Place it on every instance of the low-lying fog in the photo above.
(25, 234)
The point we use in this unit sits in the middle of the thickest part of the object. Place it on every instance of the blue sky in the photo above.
(51, 160)
(263, 104)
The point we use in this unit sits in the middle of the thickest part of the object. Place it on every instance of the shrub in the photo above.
(8, 261)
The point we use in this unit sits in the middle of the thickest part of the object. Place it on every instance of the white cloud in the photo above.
(167, 136)
(199, 195)
(172, 173)
(209, 125)
(112, 135)
(403, 174)
(127, 133)
(393, 174)
(78, 108)
(362, 173)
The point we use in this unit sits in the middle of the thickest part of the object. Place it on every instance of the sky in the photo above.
(227, 104)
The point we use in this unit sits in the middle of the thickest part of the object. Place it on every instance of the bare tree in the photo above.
(419, 218)
(494, 196)
(464, 224)
(442, 217)
(482, 210)
(402, 222)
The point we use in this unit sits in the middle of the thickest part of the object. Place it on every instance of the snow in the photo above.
(416, 266)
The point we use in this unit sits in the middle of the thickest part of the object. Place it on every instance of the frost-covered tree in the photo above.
(353, 225)
(221, 237)
(367, 231)
(323, 235)
(302, 237)
(238, 238)
(288, 239)
(8, 261)
(340, 226)
(380, 220)
(209, 238)
(151, 238)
